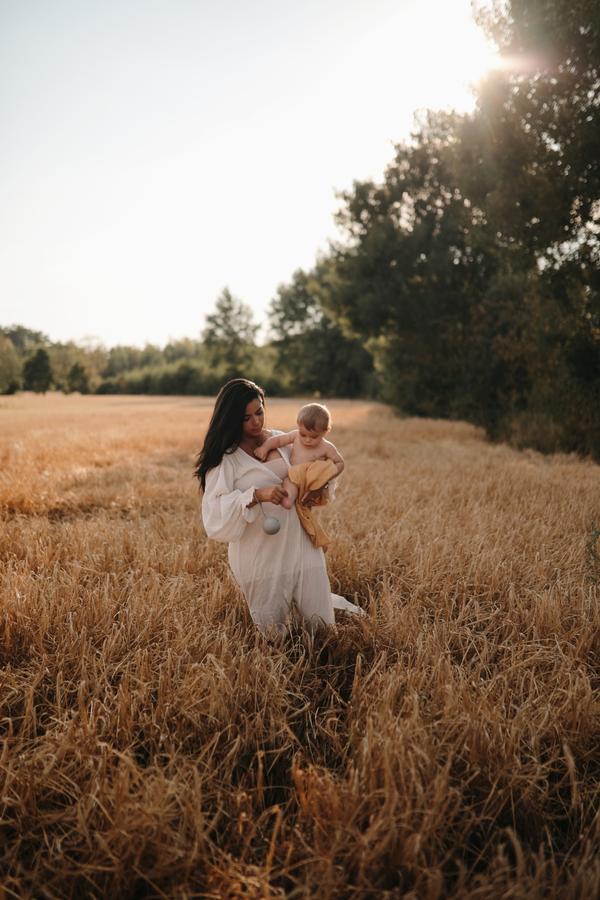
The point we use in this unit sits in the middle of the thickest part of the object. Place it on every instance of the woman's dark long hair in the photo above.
(225, 427)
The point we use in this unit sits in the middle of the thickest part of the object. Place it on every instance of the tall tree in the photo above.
(37, 372)
(312, 350)
(552, 93)
(548, 199)
(475, 261)
(415, 255)
(229, 335)
(78, 379)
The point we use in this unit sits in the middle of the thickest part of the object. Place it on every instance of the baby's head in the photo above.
(314, 422)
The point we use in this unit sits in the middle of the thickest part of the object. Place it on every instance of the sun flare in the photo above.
(328, 121)
(451, 58)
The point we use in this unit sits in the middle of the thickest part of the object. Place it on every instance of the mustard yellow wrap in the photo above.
(310, 477)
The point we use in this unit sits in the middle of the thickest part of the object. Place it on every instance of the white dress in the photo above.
(271, 570)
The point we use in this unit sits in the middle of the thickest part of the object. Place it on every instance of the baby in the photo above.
(308, 444)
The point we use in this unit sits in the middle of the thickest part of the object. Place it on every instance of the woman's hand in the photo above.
(270, 495)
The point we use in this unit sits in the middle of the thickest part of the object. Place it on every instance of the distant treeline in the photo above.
(465, 284)
(320, 360)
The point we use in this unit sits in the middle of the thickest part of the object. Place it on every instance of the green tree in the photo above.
(62, 359)
(415, 258)
(10, 367)
(312, 350)
(183, 349)
(78, 379)
(151, 355)
(121, 358)
(472, 269)
(230, 334)
(553, 97)
(24, 340)
(37, 372)
(539, 131)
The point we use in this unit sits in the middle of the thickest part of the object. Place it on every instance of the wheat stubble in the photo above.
(153, 745)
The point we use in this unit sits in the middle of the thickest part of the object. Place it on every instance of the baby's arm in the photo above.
(272, 443)
(332, 453)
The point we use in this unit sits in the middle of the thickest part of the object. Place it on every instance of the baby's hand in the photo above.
(261, 453)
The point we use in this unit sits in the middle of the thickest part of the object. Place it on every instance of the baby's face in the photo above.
(309, 438)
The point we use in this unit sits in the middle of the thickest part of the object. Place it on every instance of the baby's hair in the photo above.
(315, 417)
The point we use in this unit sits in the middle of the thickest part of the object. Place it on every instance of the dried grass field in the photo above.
(153, 745)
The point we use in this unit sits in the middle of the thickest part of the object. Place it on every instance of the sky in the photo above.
(153, 152)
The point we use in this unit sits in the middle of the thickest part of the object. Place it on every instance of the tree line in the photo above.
(301, 357)
(464, 284)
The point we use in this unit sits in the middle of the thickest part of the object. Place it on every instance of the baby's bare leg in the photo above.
(292, 493)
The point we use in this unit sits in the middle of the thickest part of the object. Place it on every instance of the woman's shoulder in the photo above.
(224, 476)
(224, 467)
(232, 458)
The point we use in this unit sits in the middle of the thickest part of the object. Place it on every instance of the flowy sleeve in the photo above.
(225, 511)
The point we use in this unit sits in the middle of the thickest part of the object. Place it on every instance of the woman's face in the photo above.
(254, 419)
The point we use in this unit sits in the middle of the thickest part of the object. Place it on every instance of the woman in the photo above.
(271, 570)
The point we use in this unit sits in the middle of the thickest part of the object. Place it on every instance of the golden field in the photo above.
(154, 745)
